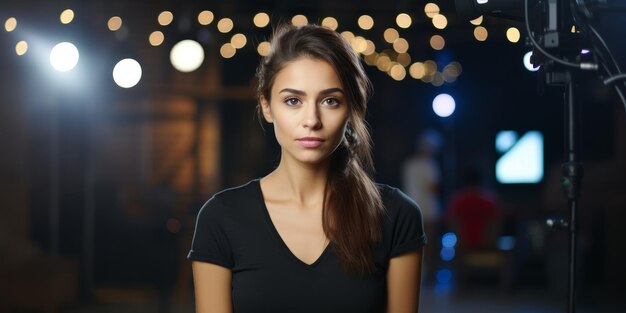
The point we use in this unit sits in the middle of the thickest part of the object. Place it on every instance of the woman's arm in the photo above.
(403, 282)
(212, 285)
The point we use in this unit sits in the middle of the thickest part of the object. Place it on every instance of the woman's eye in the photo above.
(292, 101)
(331, 101)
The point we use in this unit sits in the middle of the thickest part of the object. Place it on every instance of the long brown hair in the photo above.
(353, 207)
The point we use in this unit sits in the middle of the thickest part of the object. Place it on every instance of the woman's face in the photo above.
(308, 109)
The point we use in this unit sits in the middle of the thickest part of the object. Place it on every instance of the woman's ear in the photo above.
(265, 108)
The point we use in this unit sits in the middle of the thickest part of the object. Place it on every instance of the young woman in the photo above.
(316, 234)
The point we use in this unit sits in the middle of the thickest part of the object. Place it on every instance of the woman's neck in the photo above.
(302, 184)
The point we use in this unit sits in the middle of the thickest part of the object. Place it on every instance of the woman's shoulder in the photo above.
(394, 195)
(396, 201)
(233, 198)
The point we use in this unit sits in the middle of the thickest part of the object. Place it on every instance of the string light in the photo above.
(330, 22)
(477, 21)
(225, 25)
(263, 48)
(114, 23)
(299, 20)
(156, 38)
(437, 79)
(366, 22)
(431, 67)
(205, 17)
(67, 16)
(396, 63)
(359, 44)
(397, 72)
(21, 48)
(370, 59)
(348, 35)
(371, 47)
(431, 9)
(10, 24)
(401, 45)
(417, 70)
(440, 21)
(383, 62)
(403, 20)
(391, 35)
(165, 18)
(437, 42)
(261, 19)
(404, 59)
(238, 41)
(513, 34)
(480, 33)
(227, 50)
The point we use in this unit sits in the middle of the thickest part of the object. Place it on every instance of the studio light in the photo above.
(527, 64)
(187, 55)
(444, 105)
(127, 73)
(64, 56)
(471, 9)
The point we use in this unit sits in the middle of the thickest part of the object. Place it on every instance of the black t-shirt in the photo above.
(234, 230)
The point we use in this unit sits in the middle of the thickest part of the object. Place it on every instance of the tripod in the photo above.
(572, 173)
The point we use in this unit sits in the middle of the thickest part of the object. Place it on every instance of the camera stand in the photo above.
(572, 172)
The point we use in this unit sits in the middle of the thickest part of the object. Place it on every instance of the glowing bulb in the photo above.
(440, 21)
(431, 9)
(114, 23)
(404, 59)
(64, 57)
(403, 20)
(444, 105)
(299, 20)
(348, 35)
(391, 35)
(21, 47)
(477, 21)
(205, 17)
(480, 33)
(437, 42)
(397, 72)
(371, 47)
(225, 25)
(366, 22)
(401, 45)
(261, 19)
(330, 22)
(238, 41)
(10, 24)
(187, 55)
(513, 34)
(263, 48)
(67, 16)
(165, 18)
(527, 64)
(127, 73)
(227, 51)
(156, 38)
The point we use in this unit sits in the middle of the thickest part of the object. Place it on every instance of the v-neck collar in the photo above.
(279, 239)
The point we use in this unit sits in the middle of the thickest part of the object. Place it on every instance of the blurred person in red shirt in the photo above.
(474, 214)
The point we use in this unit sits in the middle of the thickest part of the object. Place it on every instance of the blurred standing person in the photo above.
(421, 176)
(474, 213)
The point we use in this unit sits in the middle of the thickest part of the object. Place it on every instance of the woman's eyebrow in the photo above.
(300, 92)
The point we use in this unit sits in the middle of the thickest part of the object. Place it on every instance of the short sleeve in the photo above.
(407, 232)
(210, 242)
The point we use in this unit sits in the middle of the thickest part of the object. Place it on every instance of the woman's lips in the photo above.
(310, 142)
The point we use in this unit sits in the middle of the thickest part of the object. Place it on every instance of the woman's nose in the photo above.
(312, 117)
